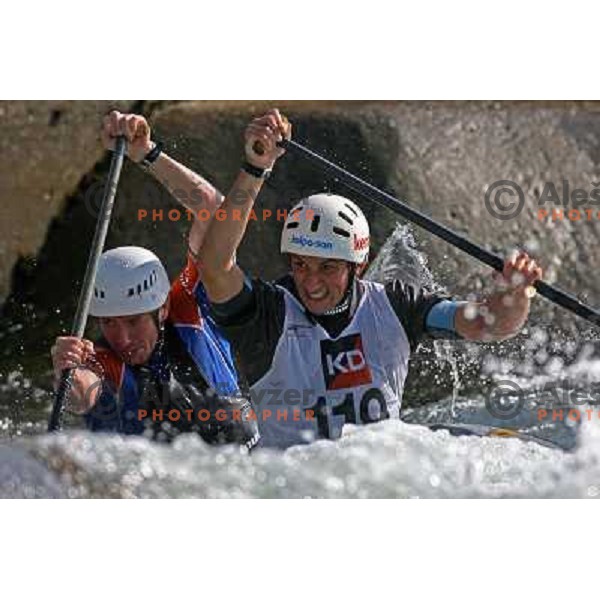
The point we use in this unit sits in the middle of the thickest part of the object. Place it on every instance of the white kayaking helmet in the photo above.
(327, 226)
(130, 281)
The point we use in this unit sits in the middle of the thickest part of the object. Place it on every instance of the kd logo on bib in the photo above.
(344, 363)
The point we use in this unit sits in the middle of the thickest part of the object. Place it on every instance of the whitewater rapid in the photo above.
(390, 459)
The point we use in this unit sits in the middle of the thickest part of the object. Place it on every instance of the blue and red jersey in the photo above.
(202, 339)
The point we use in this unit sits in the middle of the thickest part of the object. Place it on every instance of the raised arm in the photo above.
(222, 278)
(187, 187)
(502, 314)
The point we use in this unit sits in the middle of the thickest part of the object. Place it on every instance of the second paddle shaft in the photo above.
(364, 188)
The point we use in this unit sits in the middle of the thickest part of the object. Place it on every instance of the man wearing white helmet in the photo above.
(160, 359)
(321, 347)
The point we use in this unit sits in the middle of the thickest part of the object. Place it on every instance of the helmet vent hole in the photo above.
(101, 294)
(341, 232)
(139, 288)
(292, 225)
(314, 226)
(130, 292)
(351, 209)
(145, 284)
(346, 218)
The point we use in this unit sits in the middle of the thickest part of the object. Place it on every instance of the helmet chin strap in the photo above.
(160, 325)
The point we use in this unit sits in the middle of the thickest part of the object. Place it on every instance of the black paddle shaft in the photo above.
(85, 297)
(369, 191)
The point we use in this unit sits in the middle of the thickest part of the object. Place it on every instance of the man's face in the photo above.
(133, 338)
(321, 283)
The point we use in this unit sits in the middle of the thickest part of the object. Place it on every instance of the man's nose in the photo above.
(312, 282)
(121, 337)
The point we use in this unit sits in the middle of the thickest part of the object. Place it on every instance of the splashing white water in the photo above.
(388, 459)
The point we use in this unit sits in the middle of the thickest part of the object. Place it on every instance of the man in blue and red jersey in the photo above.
(161, 364)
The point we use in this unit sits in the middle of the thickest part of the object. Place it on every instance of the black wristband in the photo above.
(256, 171)
(152, 155)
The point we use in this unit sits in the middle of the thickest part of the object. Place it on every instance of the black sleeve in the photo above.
(253, 322)
(411, 305)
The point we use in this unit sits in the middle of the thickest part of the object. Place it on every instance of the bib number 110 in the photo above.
(347, 409)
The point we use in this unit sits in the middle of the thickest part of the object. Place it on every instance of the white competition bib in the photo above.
(317, 384)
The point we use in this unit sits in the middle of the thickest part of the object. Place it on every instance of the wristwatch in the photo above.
(256, 171)
(151, 157)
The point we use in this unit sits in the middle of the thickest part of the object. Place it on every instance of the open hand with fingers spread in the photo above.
(519, 274)
(502, 313)
(507, 309)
